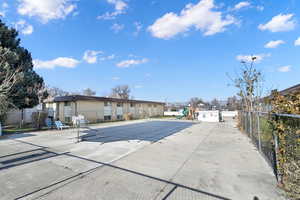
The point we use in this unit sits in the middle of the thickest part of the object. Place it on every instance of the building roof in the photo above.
(94, 98)
(295, 88)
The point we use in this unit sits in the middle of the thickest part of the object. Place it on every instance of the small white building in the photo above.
(229, 114)
(209, 116)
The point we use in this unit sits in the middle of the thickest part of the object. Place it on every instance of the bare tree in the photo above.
(88, 92)
(8, 80)
(249, 82)
(121, 92)
(5, 91)
(233, 103)
(215, 103)
(195, 102)
(56, 92)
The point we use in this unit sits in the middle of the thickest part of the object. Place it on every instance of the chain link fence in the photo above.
(280, 145)
(257, 127)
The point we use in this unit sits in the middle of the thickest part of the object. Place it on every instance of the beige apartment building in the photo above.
(98, 109)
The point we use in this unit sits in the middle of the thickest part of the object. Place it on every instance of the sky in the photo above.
(164, 50)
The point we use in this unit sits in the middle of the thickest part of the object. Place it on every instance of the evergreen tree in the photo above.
(16, 62)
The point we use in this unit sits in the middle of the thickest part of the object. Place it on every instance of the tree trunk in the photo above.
(22, 118)
(39, 120)
(0, 129)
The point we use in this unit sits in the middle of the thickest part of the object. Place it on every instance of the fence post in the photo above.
(258, 131)
(278, 171)
(250, 125)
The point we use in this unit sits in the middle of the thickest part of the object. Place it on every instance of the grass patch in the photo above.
(13, 130)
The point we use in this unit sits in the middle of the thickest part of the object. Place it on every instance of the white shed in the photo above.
(229, 114)
(209, 116)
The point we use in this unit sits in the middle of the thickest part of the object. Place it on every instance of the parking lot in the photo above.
(145, 159)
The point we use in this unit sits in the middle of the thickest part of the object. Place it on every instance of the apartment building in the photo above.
(97, 109)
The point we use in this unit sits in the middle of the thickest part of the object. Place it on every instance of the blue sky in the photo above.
(167, 49)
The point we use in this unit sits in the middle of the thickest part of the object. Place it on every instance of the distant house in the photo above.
(293, 89)
(267, 107)
(97, 109)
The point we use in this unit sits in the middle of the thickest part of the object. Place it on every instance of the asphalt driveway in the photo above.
(158, 159)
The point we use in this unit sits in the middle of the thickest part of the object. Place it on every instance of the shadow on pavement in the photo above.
(16, 136)
(23, 158)
(66, 181)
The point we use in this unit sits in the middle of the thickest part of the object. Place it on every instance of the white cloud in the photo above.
(2, 13)
(91, 56)
(117, 27)
(202, 16)
(133, 56)
(119, 4)
(46, 10)
(241, 5)
(120, 7)
(58, 62)
(24, 27)
(274, 43)
(138, 28)
(4, 7)
(297, 42)
(248, 58)
(108, 57)
(116, 78)
(260, 8)
(286, 68)
(279, 23)
(128, 63)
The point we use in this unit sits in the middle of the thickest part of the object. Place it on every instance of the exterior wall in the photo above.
(114, 111)
(94, 111)
(60, 111)
(64, 113)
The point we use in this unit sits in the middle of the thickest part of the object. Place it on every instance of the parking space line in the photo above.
(169, 193)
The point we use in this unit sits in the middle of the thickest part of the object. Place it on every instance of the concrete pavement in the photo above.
(136, 160)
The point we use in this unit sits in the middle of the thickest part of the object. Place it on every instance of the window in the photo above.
(119, 104)
(67, 119)
(149, 105)
(119, 117)
(131, 105)
(67, 103)
(154, 105)
(107, 118)
(107, 103)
